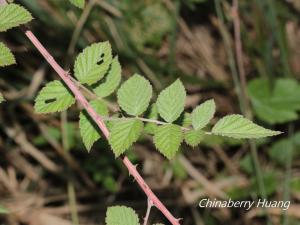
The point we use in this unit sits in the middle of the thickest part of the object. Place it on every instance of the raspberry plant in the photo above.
(97, 72)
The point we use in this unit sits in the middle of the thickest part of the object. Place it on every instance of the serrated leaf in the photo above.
(167, 139)
(121, 215)
(54, 97)
(203, 113)
(123, 134)
(134, 95)
(194, 137)
(93, 62)
(1, 98)
(237, 126)
(89, 130)
(279, 105)
(78, 3)
(13, 15)
(112, 80)
(6, 56)
(170, 102)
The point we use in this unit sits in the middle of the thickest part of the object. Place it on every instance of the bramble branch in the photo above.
(65, 76)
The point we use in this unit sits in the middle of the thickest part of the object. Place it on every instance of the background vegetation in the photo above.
(46, 176)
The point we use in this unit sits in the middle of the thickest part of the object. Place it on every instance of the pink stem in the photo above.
(131, 168)
(149, 206)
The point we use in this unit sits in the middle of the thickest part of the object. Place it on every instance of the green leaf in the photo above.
(123, 134)
(246, 164)
(78, 3)
(121, 215)
(70, 135)
(6, 57)
(194, 137)
(271, 181)
(150, 23)
(203, 113)
(279, 105)
(134, 95)
(89, 130)
(1, 98)
(295, 184)
(187, 120)
(112, 80)
(167, 139)
(13, 15)
(54, 97)
(92, 64)
(236, 126)
(178, 170)
(171, 101)
(281, 151)
(53, 132)
(3, 210)
(151, 113)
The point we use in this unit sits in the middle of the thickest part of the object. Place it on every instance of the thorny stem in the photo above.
(115, 109)
(65, 76)
(149, 206)
(93, 96)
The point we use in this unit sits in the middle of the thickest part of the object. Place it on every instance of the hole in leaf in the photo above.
(100, 62)
(50, 100)
(101, 59)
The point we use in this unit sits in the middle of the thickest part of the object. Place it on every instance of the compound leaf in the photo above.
(193, 137)
(54, 97)
(78, 3)
(134, 95)
(13, 15)
(6, 57)
(203, 113)
(121, 215)
(93, 62)
(123, 134)
(89, 130)
(237, 126)
(112, 80)
(171, 100)
(167, 139)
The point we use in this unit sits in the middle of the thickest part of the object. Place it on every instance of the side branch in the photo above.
(99, 121)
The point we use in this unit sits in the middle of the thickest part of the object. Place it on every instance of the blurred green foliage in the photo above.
(275, 104)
